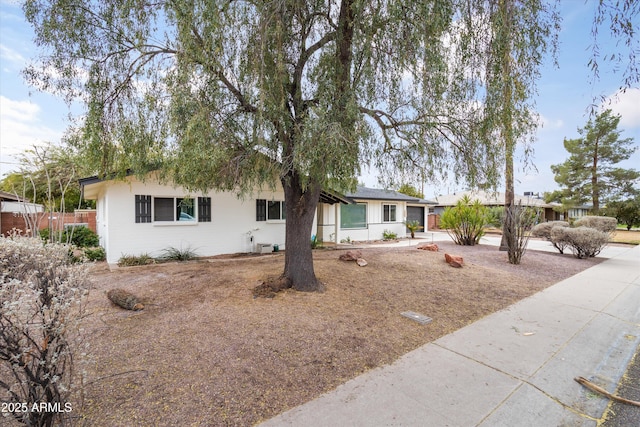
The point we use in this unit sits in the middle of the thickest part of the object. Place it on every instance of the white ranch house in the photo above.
(136, 217)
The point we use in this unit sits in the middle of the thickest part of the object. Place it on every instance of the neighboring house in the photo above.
(373, 212)
(12, 212)
(135, 217)
(492, 199)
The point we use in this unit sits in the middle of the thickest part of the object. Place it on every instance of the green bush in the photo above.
(389, 235)
(584, 242)
(315, 242)
(131, 260)
(82, 237)
(605, 224)
(95, 254)
(465, 221)
(413, 226)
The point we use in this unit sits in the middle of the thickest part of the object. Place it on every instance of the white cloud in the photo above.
(627, 105)
(550, 124)
(21, 129)
(17, 110)
(9, 55)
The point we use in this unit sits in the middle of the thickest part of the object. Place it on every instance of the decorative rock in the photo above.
(428, 247)
(124, 299)
(351, 256)
(453, 260)
(361, 262)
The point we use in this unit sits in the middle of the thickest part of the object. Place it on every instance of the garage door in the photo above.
(415, 213)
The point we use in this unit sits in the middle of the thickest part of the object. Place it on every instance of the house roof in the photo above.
(9, 197)
(366, 193)
(326, 196)
(489, 199)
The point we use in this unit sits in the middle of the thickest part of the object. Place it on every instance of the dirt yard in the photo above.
(205, 352)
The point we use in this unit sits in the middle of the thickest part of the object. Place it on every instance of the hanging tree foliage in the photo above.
(237, 94)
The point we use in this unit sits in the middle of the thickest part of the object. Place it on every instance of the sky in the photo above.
(29, 117)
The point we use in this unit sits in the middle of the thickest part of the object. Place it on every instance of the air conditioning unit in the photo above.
(264, 248)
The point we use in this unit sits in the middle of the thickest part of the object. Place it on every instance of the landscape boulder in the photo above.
(428, 247)
(453, 260)
(351, 256)
(124, 299)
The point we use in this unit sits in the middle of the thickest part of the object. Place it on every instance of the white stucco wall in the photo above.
(233, 222)
(375, 226)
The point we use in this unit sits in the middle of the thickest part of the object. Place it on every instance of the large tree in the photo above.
(237, 94)
(590, 173)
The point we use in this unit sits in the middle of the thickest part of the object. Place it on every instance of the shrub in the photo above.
(81, 237)
(95, 254)
(544, 230)
(584, 242)
(41, 305)
(175, 254)
(315, 242)
(131, 260)
(518, 221)
(601, 223)
(389, 235)
(413, 226)
(465, 221)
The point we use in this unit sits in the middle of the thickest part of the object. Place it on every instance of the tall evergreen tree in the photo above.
(237, 94)
(590, 172)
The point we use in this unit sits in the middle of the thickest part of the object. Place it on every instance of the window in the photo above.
(353, 216)
(163, 209)
(272, 210)
(388, 213)
(172, 209)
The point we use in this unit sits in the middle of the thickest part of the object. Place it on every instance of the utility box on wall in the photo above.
(264, 248)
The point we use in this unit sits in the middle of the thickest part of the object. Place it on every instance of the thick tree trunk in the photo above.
(298, 260)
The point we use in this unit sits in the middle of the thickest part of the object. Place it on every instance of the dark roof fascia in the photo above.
(365, 193)
(96, 179)
(326, 196)
(332, 197)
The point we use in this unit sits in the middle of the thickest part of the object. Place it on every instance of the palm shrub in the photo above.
(413, 226)
(465, 221)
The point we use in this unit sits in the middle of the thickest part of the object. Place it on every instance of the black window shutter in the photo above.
(261, 210)
(143, 208)
(204, 209)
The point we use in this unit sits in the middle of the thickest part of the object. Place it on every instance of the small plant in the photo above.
(465, 221)
(175, 254)
(413, 226)
(95, 254)
(389, 235)
(315, 242)
(81, 237)
(132, 260)
(346, 240)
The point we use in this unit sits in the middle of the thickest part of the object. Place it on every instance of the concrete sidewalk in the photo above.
(515, 367)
